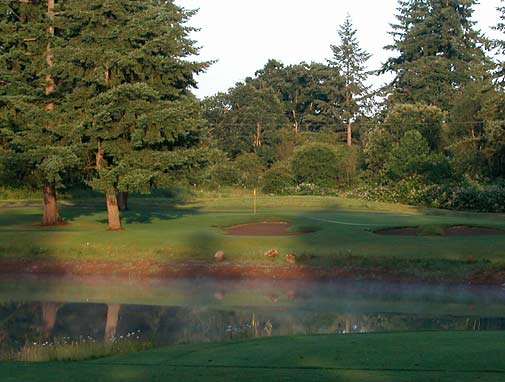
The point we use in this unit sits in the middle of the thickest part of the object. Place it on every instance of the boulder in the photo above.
(272, 253)
(291, 258)
(219, 256)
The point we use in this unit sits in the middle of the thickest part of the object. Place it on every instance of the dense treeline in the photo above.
(98, 94)
(434, 136)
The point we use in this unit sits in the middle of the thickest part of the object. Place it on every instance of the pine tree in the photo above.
(500, 44)
(438, 50)
(350, 60)
(126, 68)
(32, 128)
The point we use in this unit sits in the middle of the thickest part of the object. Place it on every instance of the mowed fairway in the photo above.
(158, 230)
(384, 357)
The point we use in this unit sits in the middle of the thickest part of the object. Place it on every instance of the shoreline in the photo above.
(147, 270)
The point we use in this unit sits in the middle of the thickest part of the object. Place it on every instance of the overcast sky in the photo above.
(244, 34)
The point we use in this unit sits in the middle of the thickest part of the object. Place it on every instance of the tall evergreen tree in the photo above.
(326, 92)
(31, 125)
(126, 68)
(438, 50)
(350, 60)
(500, 43)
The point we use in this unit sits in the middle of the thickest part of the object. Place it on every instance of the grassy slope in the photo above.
(156, 230)
(413, 357)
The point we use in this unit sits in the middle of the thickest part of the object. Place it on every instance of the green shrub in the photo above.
(413, 190)
(250, 169)
(278, 181)
(488, 199)
(427, 120)
(315, 164)
(225, 174)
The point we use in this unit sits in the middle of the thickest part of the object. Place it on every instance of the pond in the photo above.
(54, 309)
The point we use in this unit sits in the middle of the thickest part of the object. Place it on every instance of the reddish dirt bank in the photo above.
(147, 269)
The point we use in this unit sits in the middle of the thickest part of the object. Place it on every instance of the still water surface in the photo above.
(48, 309)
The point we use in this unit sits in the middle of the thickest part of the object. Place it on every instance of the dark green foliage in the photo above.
(427, 120)
(350, 61)
(39, 146)
(312, 95)
(315, 164)
(250, 168)
(500, 45)
(437, 50)
(408, 157)
(377, 149)
(125, 65)
(278, 181)
(487, 199)
(246, 119)
(494, 148)
(224, 174)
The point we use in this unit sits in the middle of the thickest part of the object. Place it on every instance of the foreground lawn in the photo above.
(413, 357)
(162, 230)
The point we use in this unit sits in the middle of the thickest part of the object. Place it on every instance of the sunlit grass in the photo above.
(84, 349)
(162, 231)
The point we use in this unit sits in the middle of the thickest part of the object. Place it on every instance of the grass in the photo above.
(76, 351)
(169, 231)
(383, 357)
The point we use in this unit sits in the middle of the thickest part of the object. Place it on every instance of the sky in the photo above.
(243, 34)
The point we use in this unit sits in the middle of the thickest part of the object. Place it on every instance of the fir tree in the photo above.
(500, 43)
(350, 60)
(438, 50)
(125, 65)
(30, 121)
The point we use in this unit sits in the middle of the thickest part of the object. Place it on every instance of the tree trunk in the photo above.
(113, 211)
(258, 139)
(112, 320)
(50, 84)
(349, 122)
(295, 118)
(349, 134)
(49, 313)
(51, 215)
(122, 200)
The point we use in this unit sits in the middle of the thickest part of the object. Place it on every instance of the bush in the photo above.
(488, 199)
(250, 169)
(315, 164)
(278, 181)
(225, 174)
(413, 190)
(427, 120)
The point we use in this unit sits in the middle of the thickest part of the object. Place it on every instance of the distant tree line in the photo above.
(433, 135)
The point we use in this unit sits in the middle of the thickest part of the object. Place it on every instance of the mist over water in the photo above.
(54, 309)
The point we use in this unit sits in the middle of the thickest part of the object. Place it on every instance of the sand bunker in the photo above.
(459, 230)
(263, 229)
